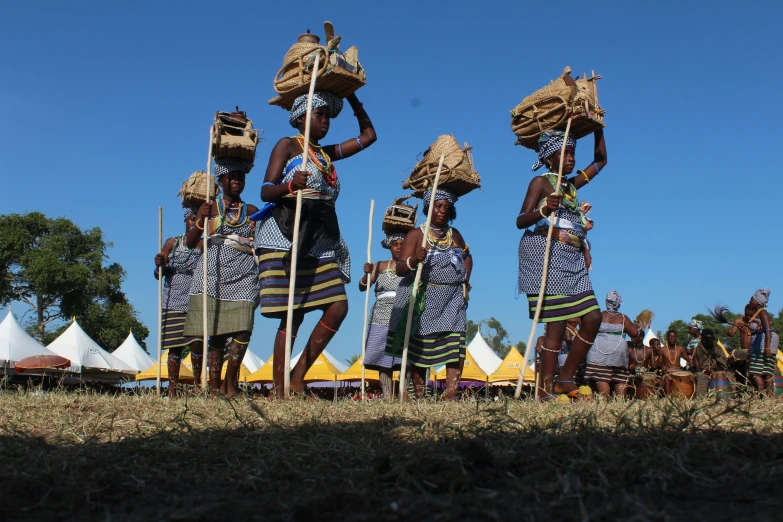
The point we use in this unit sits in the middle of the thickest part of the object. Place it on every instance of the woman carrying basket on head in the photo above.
(383, 275)
(324, 264)
(764, 343)
(439, 318)
(568, 293)
(232, 284)
(178, 263)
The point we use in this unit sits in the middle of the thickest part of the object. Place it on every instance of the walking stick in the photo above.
(205, 302)
(160, 297)
(289, 321)
(544, 272)
(367, 296)
(416, 280)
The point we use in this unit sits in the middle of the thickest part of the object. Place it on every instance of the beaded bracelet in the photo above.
(290, 188)
(267, 183)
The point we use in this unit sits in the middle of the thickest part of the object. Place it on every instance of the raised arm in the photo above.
(355, 145)
(630, 328)
(599, 162)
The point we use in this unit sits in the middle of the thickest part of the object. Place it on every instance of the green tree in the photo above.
(493, 333)
(352, 359)
(58, 270)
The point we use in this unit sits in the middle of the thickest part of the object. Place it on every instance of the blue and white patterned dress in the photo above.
(385, 294)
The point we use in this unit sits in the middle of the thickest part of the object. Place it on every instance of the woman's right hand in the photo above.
(299, 181)
(368, 268)
(552, 203)
(419, 255)
(160, 260)
(205, 210)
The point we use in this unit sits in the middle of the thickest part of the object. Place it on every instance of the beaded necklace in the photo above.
(668, 355)
(241, 215)
(443, 242)
(391, 267)
(324, 165)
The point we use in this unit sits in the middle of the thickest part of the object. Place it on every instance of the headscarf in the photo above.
(391, 238)
(320, 99)
(440, 194)
(762, 296)
(695, 323)
(224, 166)
(190, 211)
(549, 143)
(613, 300)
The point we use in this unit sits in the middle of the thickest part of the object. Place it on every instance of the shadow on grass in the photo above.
(489, 463)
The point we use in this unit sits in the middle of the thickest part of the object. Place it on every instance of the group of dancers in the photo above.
(249, 267)
(623, 361)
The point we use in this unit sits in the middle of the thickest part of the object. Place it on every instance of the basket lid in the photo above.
(308, 37)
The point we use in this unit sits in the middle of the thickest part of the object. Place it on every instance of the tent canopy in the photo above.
(86, 354)
(151, 373)
(132, 354)
(509, 369)
(471, 371)
(252, 361)
(324, 368)
(16, 344)
(485, 356)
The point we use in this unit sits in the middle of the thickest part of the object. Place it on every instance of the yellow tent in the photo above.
(151, 373)
(780, 361)
(354, 373)
(471, 371)
(321, 370)
(244, 373)
(508, 371)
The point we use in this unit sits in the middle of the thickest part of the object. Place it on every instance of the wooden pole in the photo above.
(544, 271)
(416, 281)
(367, 296)
(160, 298)
(205, 302)
(289, 321)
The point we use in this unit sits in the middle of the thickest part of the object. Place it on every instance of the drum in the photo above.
(739, 355)
(647, 385)
(683, 384)
(777, 381)
(721, 385)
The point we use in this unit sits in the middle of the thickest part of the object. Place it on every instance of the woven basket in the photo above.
(234, 137)
(399, 217)
(549, 108)
(339, 73)
(457, 176)
(195, 188)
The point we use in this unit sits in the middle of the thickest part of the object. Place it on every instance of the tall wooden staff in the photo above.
(416, 280)
(160, 297)
(544, 272)
(367, 295)
(205, 302)
(289, 321)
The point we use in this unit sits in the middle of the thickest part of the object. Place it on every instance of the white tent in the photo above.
(329, 357)
(252, 362)
(133, 355)
(649, 336)
(86, 354)
(485, 356)
(15, 343)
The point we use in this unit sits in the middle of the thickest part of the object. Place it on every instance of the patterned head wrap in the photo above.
(391, 238)
(190, 211)
(762, 296)
(439, 195)
(224, 166)
(320, 99)
(695, 323)
(549, 143)
(613, 300)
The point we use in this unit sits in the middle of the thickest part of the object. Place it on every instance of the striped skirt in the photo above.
(761, 365)
(319, 282)
(432, 349)
(563, 307)
(609, 374)
(174, 330)
(375, 357)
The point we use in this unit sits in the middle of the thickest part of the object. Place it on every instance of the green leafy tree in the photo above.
(494, 334)
(352, 359)
(59, 271)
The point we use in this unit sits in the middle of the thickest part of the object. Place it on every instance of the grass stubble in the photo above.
(69, 456)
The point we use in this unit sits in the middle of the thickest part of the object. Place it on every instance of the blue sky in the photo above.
(107, 108)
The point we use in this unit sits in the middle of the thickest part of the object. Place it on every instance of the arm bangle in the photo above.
(408, 263)
(290, 189)
(587, 178)
(359, 142)
(597, 170)
(340, 149)
(200, 227)
(541, 211)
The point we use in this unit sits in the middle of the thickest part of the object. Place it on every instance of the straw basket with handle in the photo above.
(457, 175)
(234, 136)
(399, 217)
(549, 108)
(194, 190)
(339, 73)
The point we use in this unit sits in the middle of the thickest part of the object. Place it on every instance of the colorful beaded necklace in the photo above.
(324, 165)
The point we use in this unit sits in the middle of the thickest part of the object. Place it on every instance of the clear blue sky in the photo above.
(107, 108)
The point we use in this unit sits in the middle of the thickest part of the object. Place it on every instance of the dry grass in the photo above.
(92, 457)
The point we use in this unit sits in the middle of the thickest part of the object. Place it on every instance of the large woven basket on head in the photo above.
(399, 217)
(549, 108)
(194, 190)
(457, 175)
(233, 136)
(339, 73)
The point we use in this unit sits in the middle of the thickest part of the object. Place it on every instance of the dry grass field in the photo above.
(68, 456)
